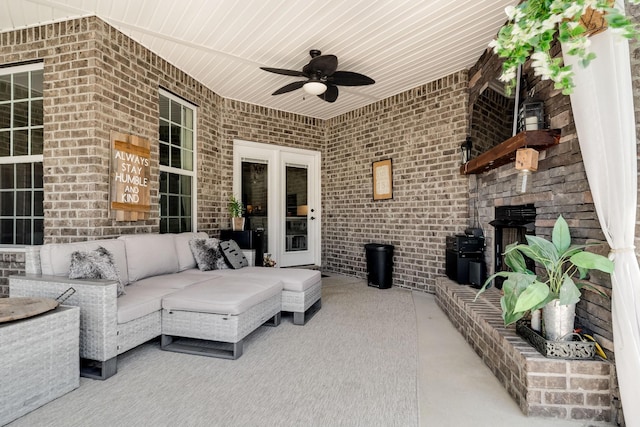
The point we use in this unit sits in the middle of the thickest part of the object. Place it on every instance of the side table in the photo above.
(39, 360)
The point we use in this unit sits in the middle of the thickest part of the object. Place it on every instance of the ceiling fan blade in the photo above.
(283, 71)
(326, 65)
(331, 94)
(349, 78)
(290, 87)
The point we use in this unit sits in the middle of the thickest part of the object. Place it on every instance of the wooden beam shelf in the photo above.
(506, 151)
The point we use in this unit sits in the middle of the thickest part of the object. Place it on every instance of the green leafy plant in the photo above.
(235, 207)
(523, 291)
(532, 27)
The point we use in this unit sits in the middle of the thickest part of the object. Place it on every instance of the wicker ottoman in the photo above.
(212, 318)
(40, 360)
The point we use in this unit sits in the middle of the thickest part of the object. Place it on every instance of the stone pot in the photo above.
(558, 321)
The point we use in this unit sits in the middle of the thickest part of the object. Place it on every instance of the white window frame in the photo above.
(30, 159)
(191, 173)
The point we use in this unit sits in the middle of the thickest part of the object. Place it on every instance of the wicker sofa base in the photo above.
(303, 305)
(216, 335)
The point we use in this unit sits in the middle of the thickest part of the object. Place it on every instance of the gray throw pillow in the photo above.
(96, 264)
(233, 254)
(207, 254)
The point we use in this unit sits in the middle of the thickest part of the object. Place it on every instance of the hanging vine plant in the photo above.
(532, 27)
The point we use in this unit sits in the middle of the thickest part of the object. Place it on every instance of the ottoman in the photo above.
(213, 317)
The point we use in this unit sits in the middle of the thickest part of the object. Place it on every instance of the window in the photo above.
(21, 143)
(177, 176)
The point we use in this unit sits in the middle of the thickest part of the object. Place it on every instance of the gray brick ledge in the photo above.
(542, 387)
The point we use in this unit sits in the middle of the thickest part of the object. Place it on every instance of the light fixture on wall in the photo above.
(526, 162)
(465, 151)
(314, 86)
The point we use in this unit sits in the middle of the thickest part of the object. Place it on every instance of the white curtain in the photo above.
(602, 105)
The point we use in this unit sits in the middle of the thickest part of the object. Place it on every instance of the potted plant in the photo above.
(534, 25)
(236, 209)
(555, 289)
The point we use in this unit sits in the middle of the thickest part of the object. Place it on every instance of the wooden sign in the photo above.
(130, 177)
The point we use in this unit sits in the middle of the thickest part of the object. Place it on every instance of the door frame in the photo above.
(273, 155)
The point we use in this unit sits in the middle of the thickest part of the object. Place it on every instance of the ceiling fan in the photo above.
(322, 78)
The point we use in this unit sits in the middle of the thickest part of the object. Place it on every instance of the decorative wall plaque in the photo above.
(382, 180)
(130, 177)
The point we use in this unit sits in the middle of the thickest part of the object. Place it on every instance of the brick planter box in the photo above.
(542, 387)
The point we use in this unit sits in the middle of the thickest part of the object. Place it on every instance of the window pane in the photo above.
(21, 85)
(38, 203)
(174, 225)
(6, 198)
(23, 231)
(5, 143)
(188, 118)
(185, 184)
(37, 113)
(20, 114)
(164, 225)
(164, 107)
(37, 175)
(174, 206)
(6, 177)
(164, 203)
(175, 135)
(23, 203)
(21, 142)
(38, 232)
(36, 83)
(176, 157)
(6, 231)
(164, 154)
(23, 175)
(187, 139)
(5, 87)
(37, 141)
(164, 131)
(164, 182)
(186, 206)
(176, 112)
(185, 225)
(5, 116)
(174, 183)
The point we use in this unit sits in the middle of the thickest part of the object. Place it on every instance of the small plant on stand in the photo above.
(236, 209)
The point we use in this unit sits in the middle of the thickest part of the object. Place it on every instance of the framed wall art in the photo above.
(382, 180)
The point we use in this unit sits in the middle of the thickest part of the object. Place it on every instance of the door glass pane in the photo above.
(255, 194)
(296, 208)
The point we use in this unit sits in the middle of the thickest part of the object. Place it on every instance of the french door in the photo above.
(280, 188)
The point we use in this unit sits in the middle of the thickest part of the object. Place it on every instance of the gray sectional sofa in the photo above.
(165, 294)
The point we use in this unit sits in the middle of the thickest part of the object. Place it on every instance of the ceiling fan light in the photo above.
(315, 88)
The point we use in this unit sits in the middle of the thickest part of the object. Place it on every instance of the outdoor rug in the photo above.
(352, 364)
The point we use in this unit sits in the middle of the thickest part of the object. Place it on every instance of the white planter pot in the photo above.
(237, 223)
(558, 320)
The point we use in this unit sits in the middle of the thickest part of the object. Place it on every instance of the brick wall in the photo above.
(421, 131)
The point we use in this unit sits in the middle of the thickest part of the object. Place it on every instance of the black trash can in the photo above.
(379, 265)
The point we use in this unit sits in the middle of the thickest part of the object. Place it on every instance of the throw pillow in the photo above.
(233, 254)
(96, 264)
(207, 254)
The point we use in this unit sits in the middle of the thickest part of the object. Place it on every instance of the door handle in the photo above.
(313, 217)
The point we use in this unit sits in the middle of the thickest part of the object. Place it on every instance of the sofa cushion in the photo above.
(150, 255)
(96, 264)
(233, 254)
(177, 280)
(185, 257)
(55, 258)
(207, 254)
(140, 301)
(222, 295)
(293, 279)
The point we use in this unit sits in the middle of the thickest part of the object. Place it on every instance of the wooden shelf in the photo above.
(506, 152)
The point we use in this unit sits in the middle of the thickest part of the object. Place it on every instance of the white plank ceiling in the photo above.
(401, 44)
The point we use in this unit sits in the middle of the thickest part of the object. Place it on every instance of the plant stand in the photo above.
(576, 349)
